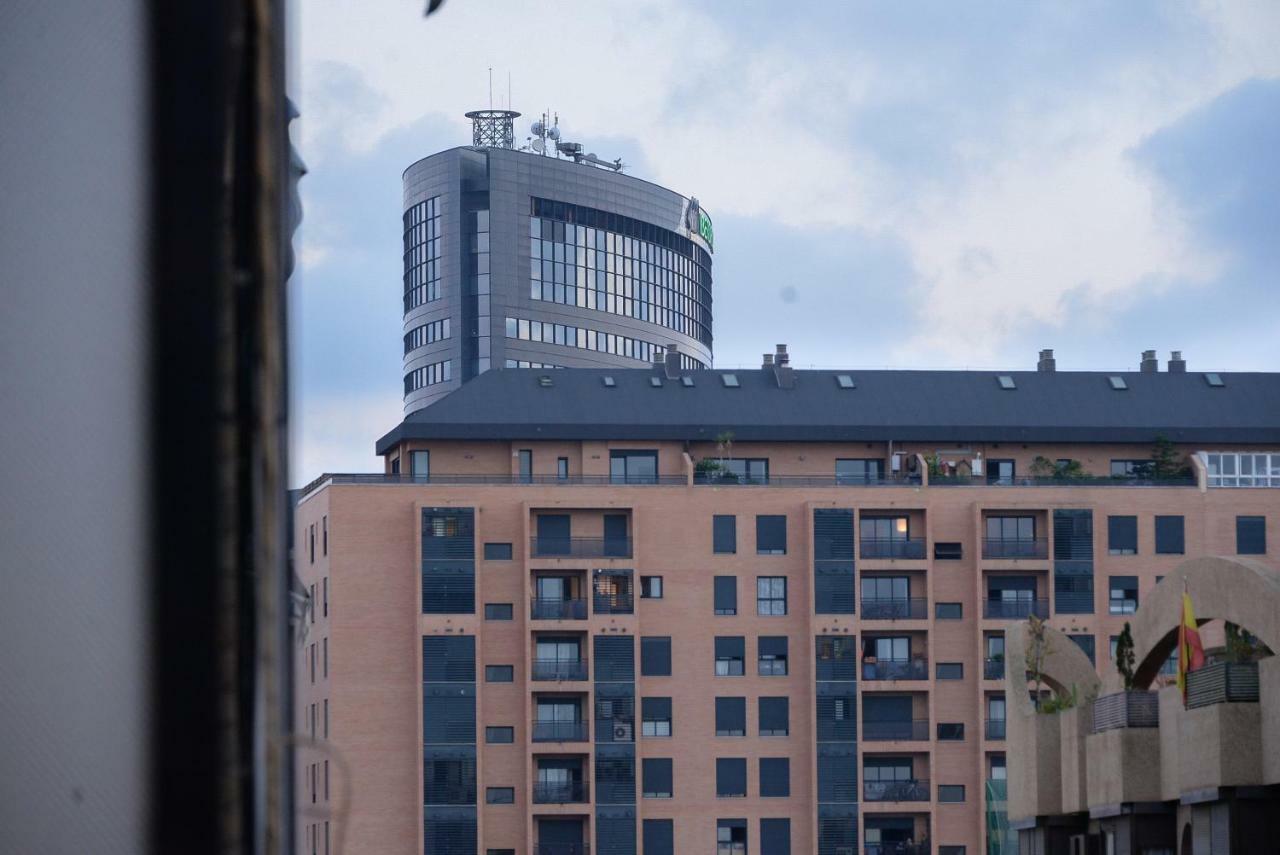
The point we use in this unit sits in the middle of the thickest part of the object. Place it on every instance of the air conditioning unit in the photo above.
(622, 732)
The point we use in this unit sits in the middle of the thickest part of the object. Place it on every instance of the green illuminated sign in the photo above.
(704, 228)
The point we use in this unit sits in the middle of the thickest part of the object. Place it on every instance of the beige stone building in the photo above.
(1144, 771)
(736, 612)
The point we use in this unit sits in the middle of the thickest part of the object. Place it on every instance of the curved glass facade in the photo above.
(585, 338)
(426, 334)
(422, 253)
(428, 375)
(592, 259)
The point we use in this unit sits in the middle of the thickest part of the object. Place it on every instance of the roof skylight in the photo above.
(1213, 379)
(730, 380)
(655, 382)
(845, 381)
(1005, 381)
(1117, 382)
(686, 380)
(608, 381)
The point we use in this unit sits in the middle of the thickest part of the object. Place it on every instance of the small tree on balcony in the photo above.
(1124, 656)
(1166, 462)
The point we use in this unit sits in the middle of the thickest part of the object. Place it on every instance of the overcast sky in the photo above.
(913, 185)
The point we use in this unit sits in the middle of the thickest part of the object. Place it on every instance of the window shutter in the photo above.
(726, 594)
(775, 776)
(655, 656)
(1251, 535)
(1170, 536)
(655, 709)
(659, 837)
(657, 775)
(614, 658)
(730, 647)
(731, 715)
(774, 714)
(449, 659)
(771, 533)
(1122, 533)
(772, 645)
(731, 776)
(724, 534)
(833, 534)
(775, 837)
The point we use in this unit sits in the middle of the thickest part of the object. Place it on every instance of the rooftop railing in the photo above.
(1050, 481)
(720, 480)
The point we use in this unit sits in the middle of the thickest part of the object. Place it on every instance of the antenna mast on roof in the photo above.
(544, 131)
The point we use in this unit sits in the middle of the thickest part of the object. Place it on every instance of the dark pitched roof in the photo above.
(932, 406)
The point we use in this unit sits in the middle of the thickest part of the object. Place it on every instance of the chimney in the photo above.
(1047, 363)
(1177, 365)
(1150, 365)
(782, 370)
(768, 361)
(671, 358)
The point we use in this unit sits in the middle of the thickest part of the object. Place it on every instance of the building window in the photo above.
(1000, 472)
(423, 250)
(774, 715)
(420, 464)
(1122, 535)
(324, 524)
(428, 375)
(724, 534)
(659, 837)
(497, 552)
(497, 611)
(499, 673)
(949, 670)
(740, 470)
(1242, 469)
(950, 793)
(656, 777)
(948, 551)
(948, 611)
(499, 735)
(771, 595)
(324, 588)
(1131, 468)
(562, 468)
(655, 717)
(1251, 535)
(324, 648)
(655, 656)
(951, 850)
(500, 795)
(1086, 643)
(525, 460)
(772, 653)
(633, 467)
(771, 534)
(775, 836)
(859, 471)
(731, 777)
(725, 592)
(650, 587)
(424, 334)
(950, 731)
(730, 653)
(731, 716)
(1124, 595)
(775, 777)
(1170, 536)
(731, 837)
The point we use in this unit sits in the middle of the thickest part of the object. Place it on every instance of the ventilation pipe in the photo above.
(1150, 365)
(1047, 363)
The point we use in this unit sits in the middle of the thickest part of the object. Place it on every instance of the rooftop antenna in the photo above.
(491, 87)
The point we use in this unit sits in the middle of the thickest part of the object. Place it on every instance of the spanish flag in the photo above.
(1190, 649)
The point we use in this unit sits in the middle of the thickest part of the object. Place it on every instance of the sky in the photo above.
(907, 185)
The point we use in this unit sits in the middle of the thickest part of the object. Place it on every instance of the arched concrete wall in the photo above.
(1065, 666)
(1240, 590)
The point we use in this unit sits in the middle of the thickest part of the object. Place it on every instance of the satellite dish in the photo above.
(537, 128)
(554, 133)
(538, 145)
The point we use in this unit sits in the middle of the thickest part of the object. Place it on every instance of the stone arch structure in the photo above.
(1065, 666)
(1240, 590)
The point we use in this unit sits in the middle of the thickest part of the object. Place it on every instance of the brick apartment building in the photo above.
(736, 612)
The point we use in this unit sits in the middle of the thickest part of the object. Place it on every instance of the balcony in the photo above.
(883, 608)
(1052, 481)
(995, 728)
(896, 849)
(892, 547)
(561, 849)
(559, 792)
(559, 669)
(895, 731)
(993, 669)
(1015, 609)
(555, 608)
(1223, 683)
(614, 603)
(895, 791)
(369, 479)
(559, 731)
(916, 668)
(1002, 548)
(580, 547)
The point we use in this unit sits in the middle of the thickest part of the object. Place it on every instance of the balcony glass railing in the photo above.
(1005, 547)
(887, 608)
(554, 608)
(896, 849)
(993, 669)
(892, 731)
(559, 669)
(1016, 609)
(895, 791)
(896, 669)
(892, 547)
(580, 547)
(559, 792)
(561, 849)
(995, 728)
(559, 731)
